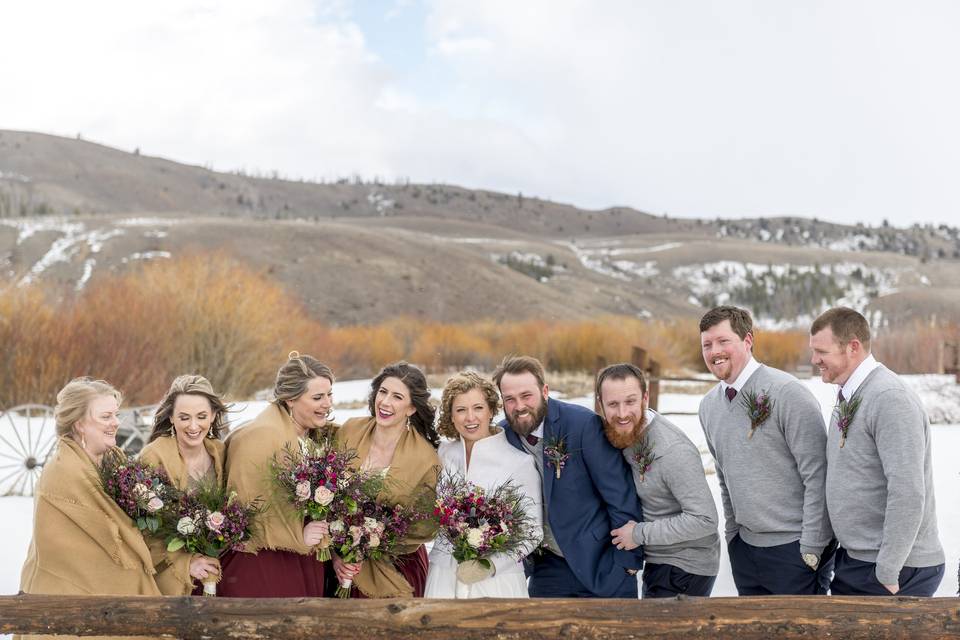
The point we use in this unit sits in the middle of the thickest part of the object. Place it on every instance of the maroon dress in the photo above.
(271, 574)
(413, 567)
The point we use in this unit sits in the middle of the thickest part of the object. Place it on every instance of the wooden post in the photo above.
(600, 362)
(653, 384)
(781, 617)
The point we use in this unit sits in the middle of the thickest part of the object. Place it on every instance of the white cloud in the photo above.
(740, 107)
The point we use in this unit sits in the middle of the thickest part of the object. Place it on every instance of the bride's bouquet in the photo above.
(318, 481)
(209, 520)
(139, 489)
(479, 523)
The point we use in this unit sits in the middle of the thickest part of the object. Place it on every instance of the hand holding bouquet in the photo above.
(139, 489)
(372, 532)
(317, 479)
(478, 524)
(209, 520)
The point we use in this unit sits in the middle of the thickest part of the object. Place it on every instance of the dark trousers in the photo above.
(668, 581)
(779, 570)
(858, 578)
(551, 577)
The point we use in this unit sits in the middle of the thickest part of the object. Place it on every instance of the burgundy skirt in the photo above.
(271, 574)
(413, 567)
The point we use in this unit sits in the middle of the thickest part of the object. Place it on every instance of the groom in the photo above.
(587, 489)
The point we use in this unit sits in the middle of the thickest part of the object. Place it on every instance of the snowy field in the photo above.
(939, 393)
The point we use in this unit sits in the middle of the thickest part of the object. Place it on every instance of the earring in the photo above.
(408, 423)
(83, 442)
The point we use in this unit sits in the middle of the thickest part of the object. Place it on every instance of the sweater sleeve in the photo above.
(897, 424)
(730, 526)
(806, 437)
(684, 477)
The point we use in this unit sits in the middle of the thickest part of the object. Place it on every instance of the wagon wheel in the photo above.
(27, 436)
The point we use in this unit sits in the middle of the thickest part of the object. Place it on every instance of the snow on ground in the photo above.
(939, 393)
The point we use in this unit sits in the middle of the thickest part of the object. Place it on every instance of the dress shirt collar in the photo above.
(858, 376)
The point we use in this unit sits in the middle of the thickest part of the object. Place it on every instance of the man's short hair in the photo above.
(846, 324)
(740, 320)
(620, 371)
(519, 364)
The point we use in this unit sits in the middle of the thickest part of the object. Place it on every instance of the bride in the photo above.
(480, 453)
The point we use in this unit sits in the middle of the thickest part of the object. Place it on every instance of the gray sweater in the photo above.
(880, 484)
(680, 518)
(772, 484)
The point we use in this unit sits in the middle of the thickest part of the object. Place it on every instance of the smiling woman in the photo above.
(83, 542)
(279, 560)
(399, 438)
(186, 443)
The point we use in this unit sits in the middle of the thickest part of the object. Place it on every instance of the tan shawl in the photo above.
(412, 472)
(83, 543)
(249, 453)
(173, 568)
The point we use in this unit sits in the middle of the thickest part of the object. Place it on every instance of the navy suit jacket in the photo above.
(594, 495)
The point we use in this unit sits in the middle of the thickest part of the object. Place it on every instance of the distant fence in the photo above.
(760, 618)
(651, 369)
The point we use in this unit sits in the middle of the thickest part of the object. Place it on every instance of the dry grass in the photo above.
(214, 316)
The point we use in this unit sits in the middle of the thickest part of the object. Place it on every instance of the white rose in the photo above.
(371, 524)
(374, 541)
(323, 496)
(185, 526)
(303, 490)
(139, 490)
(356, 534)
(474, 537)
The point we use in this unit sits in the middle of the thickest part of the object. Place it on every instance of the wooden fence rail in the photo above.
(781, 617)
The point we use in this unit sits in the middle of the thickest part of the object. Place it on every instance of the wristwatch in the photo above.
(811, 560)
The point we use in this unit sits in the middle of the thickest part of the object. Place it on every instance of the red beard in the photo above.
(622, 440)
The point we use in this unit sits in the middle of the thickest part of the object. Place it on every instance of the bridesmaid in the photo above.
(186, 443)
(279, 561)
(399, 438)
(83, 543)
(480, 453)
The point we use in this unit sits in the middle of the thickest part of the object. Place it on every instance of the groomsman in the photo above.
(679, 532)
(879, 473)
(586, 489)
(767, 435)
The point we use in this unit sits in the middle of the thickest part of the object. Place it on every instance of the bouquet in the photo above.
(373, 531)
(209, 520)
(139, 489)
(318, 480)
(478, 524)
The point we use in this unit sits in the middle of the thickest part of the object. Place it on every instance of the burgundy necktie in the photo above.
(533, 440)
(840, 395)
(731, 393)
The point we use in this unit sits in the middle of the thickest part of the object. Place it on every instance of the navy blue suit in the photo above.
(594, 495)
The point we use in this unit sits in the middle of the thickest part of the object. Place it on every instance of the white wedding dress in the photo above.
(493, 462)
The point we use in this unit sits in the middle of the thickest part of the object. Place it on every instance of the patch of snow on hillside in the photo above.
(379, 202)
(647, 269)
(147, 222)
(87, 272)
(146, 255)
(155, 233)
(659, 247)
(14, 177)
(855, 242)
(30, 226)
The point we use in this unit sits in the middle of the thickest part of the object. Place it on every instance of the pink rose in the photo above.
(323, 496)
(303, 490)
(215, 521)
(154, 505)
(374, 541)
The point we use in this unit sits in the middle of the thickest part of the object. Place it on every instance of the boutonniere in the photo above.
(846, 409)
(555, 449)
(759, 406)
(643, 456)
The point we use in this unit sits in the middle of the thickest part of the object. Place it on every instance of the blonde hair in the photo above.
(73, 402)
(190, 384)
(294, 376)
(458, 385)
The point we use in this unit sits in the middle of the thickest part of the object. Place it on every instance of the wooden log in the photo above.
(782, 617)
(653, 384)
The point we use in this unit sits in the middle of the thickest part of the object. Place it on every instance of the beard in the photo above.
(537, 416)
(621, 439)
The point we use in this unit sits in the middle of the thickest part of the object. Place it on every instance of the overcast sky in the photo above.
(846, 110)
